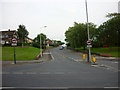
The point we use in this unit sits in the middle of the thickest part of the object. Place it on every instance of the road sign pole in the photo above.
(14, 51)
(89, 51)
(14, 43)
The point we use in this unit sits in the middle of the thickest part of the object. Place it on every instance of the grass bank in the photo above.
(22, 53)
(113, 51)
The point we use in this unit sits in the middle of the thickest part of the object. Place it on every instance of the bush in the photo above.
(24, 44)
(36, 45)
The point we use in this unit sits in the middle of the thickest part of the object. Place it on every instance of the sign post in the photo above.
(14, 43)
(89, 45)
(89, 51)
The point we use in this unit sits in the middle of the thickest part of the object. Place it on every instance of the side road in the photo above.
(46, 57)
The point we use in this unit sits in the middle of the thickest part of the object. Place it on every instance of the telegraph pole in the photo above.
(89, 50)
(41, 43)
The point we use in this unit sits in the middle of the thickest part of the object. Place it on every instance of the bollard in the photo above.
(84, 56)
(94, 59)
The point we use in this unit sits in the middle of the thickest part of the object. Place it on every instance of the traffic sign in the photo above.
(89, 45)
(89, 42)
(14, 40)
(14, 44)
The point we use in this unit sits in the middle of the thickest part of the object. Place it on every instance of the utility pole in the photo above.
(89, 50)
(41, 43)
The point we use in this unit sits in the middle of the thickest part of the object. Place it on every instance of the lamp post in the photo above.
(89, 50)
(41, 43)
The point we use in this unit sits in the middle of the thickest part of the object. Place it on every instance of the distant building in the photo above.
(28, 40)
(48, 41)
(6, 36)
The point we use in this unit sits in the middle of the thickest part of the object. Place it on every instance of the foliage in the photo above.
(109, 31)
(25, 44)
(56, 43)
(37, 42)
(106, 34)
(76, 36)
(22, 33)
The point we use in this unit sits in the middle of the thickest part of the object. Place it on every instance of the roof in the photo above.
(8, 32)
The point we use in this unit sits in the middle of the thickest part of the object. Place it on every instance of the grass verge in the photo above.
(22, 53)
(113, 51)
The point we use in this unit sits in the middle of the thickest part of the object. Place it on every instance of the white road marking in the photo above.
(5, 72)
(46, 53)
(106, 67)
(48, 88)
(30, 73)
(45, 73)
(115, 62)
(17, 73)
(95, 65)
(59, 73)
(111, 87)
(52, 56)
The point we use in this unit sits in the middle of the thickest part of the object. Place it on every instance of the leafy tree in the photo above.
(22, 33)
(109, 31)
(37, 42)
(76, 36)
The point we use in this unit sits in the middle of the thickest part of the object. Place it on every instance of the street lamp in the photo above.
(41, 43)
(89, 51)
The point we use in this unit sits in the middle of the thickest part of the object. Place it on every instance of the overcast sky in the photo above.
(57, 15)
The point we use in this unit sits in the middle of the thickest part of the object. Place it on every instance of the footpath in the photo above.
(45, 57)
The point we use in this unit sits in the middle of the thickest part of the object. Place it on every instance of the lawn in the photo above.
(114, 51)
(22, 53)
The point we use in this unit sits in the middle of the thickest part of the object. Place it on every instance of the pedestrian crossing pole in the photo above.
(89, 50)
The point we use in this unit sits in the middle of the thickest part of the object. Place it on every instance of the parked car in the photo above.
(61, 47)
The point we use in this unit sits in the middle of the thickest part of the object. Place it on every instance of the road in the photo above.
(65, 70)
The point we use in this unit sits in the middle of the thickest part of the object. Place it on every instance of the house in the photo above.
(6, 36)
(48, 41)
(28, 40)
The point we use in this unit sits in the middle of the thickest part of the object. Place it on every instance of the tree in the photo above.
(76, 36)
(37, 42)
(22, 33)
(109, 31)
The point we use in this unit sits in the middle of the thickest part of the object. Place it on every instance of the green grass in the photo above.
(114, 51)
(22, 53)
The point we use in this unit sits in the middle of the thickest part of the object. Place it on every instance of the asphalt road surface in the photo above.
(65, 70)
